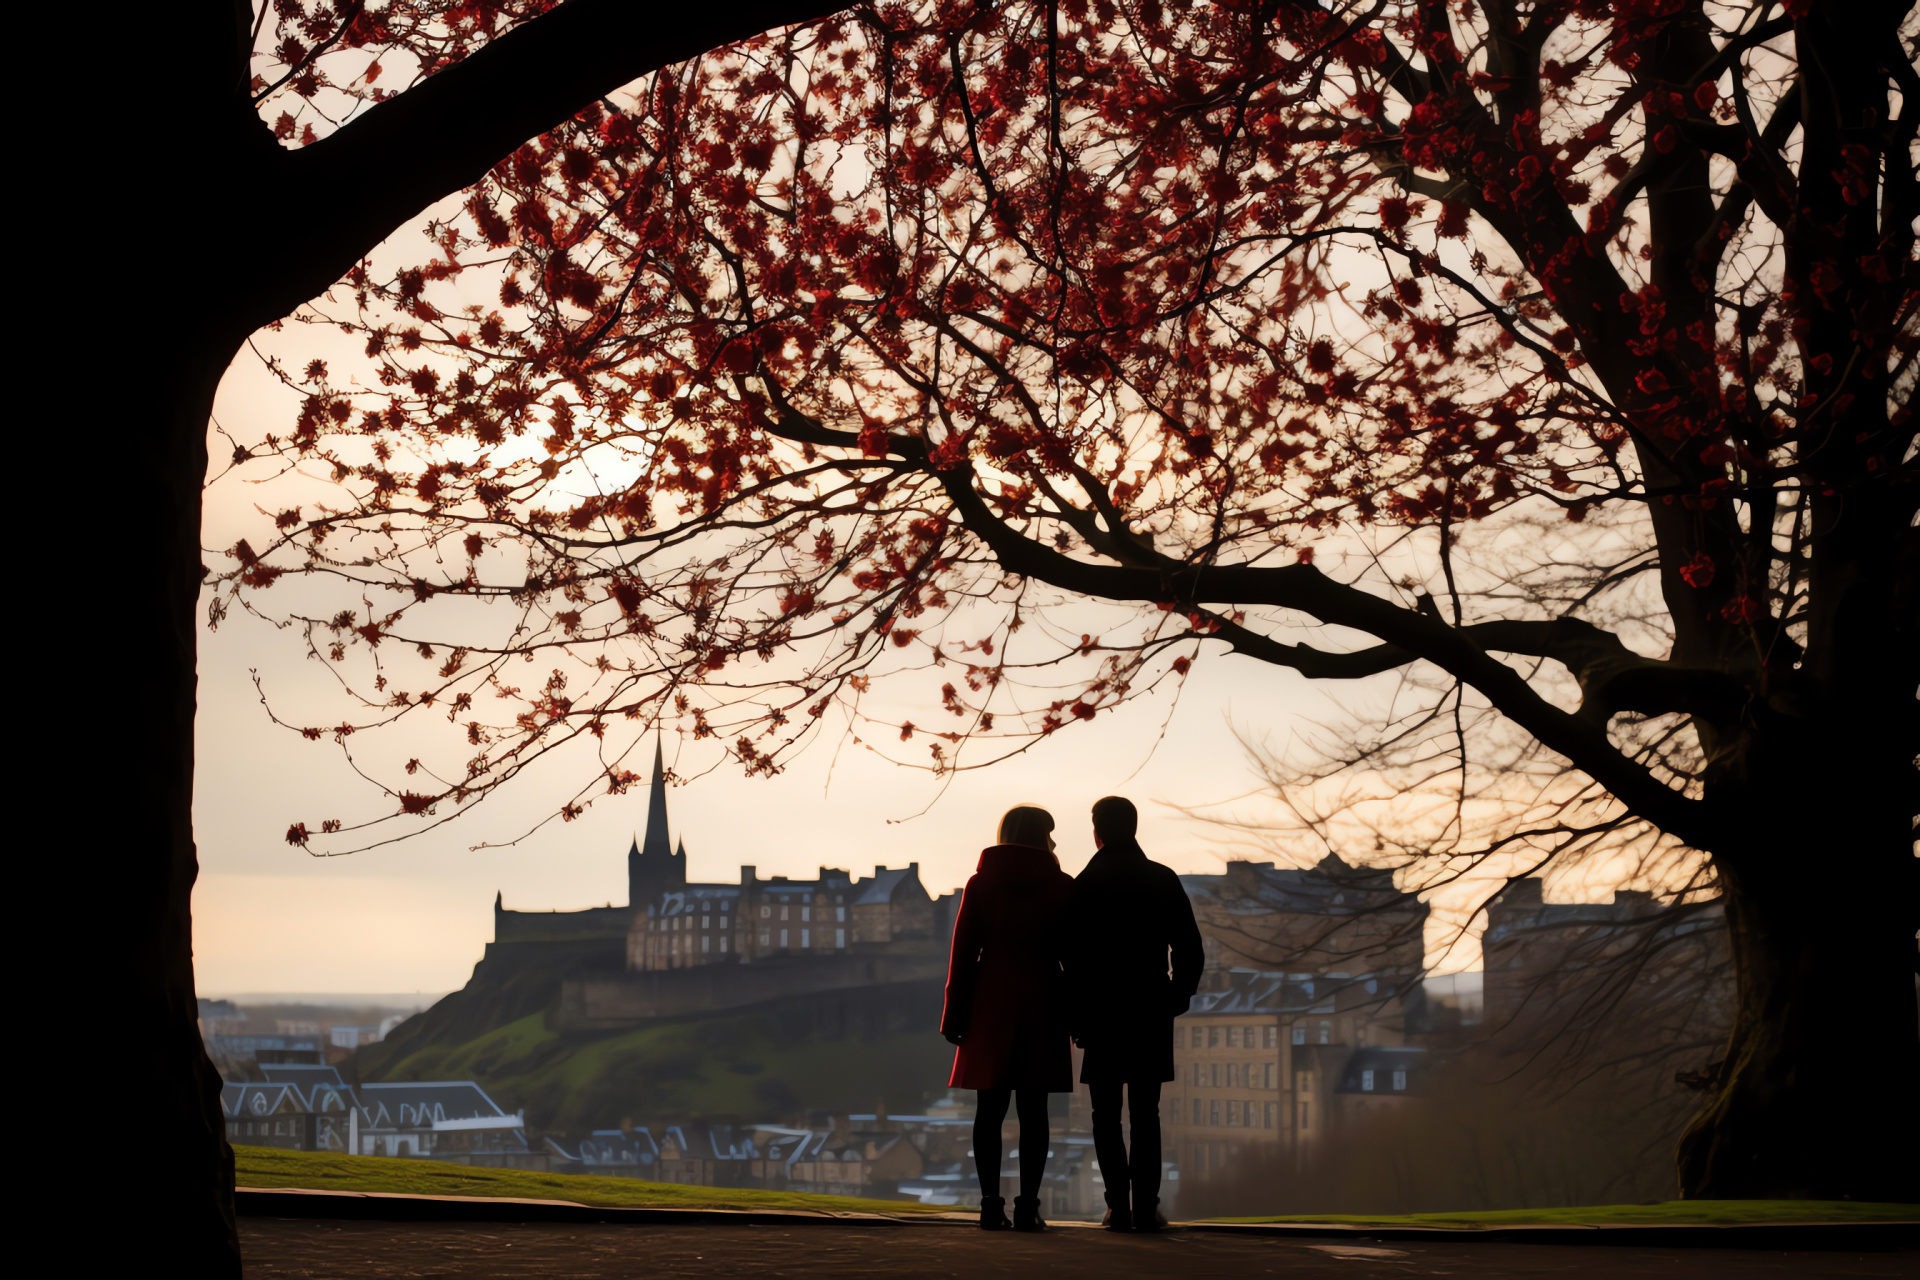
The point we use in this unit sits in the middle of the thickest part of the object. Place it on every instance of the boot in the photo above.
(993, 1214)
(1119, 1215)
(1026, 1214)
(1147, 1216)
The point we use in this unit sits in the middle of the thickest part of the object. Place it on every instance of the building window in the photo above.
(706, 944)
(1215, 1075)
(1233, 1037)
(1268, 1083)
(1273, 1113)
(1399, 1080)
(1213, 1114)
(1303, 1115)
(723, 922)
(723, 944)
(840, 913)
(1326, 1033)
(1213, 1036)
(840, 937)
(1366, 1082)
(1197, 1104)
(706, 922)
(764, 913)
(1299, 1035)
(783, 913)
(1233, 1111)
(806, 914)
(783, 932)
(806, 935)
(1199, 1037)
(763, 937)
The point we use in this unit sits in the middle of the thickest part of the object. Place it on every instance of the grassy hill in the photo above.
(320, 1171)
(736, 1067)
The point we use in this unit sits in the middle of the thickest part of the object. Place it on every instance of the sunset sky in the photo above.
(415, 916)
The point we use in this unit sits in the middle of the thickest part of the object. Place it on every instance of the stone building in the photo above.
(1325, 918)
(1258, 1062)
(830, 914)
(673, 924)
(1543, 960)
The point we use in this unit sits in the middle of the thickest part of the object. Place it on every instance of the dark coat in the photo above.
(1004, 977)
(1133, 962)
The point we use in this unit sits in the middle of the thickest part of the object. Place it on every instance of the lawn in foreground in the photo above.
(1668, 1213)
(268, 1167)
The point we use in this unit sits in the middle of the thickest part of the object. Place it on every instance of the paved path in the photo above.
(326, 1249)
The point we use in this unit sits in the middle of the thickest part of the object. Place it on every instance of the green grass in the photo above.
(732, 1067)
(1717, 1213)
(320, 1171)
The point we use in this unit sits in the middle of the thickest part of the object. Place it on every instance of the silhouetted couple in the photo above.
(1107, 960)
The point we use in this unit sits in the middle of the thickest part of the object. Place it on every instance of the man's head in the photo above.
(1114, 820)
(1029, 825)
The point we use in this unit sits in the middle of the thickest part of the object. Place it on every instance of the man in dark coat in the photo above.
(1133, 962)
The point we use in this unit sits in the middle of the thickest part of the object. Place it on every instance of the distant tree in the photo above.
(1555, 361)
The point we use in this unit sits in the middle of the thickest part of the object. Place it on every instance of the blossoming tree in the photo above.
(1478, 339)
(1557, 357)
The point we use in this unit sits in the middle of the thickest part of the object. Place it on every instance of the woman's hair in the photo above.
(1026, 824)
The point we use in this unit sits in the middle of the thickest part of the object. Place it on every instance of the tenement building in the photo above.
(1310, 970)
(1262, 1062)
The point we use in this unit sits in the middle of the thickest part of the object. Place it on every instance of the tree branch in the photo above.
(1404, 632)
(354, 187)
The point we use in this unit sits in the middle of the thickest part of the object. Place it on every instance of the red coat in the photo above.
(1004, 977)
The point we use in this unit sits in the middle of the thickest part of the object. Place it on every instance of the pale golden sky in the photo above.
(415, 916)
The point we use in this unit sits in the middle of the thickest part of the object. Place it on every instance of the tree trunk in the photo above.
(144, 876)
(1815, 1097)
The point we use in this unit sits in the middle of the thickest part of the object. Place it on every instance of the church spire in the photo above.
(652, 866)
(656, 841)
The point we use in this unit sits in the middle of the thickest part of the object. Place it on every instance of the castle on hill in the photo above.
(671, 923)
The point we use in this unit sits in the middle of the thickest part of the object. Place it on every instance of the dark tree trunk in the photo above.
(1815, 1096)
(160, 470)
(182, 226)
(128, 515)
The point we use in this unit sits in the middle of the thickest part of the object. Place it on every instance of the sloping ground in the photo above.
(1666, 1213)
(754, 1065)
(270, 1167)
(508, 984)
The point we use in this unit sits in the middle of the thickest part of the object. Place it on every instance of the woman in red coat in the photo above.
(1003, 1005)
